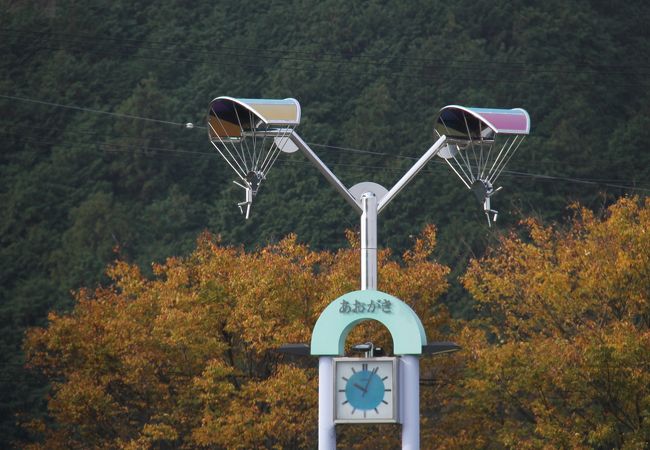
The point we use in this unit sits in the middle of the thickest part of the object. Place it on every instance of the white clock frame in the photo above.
(393, 387)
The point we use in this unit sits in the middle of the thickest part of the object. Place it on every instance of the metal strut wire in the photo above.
(479, 159)
(250, 151)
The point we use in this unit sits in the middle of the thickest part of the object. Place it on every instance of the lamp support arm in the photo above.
(327, 173)
(413, 171)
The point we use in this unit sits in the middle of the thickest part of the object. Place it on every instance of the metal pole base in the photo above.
(410, 394)
(326, 431)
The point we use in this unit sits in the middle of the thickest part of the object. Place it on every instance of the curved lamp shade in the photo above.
(474, 150)
(250, 134)
(229, 117)
(475, 124)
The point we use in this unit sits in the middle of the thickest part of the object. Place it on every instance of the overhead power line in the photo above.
(95, 111)
(128, 148)
(108, 146)
(111, 147)
(407, 70)
(310, 56)
(133, 142)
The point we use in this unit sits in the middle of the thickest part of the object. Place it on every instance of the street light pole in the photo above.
(234, 126)
(369, 205)
(368, 241)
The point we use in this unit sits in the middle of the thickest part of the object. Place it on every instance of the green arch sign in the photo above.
(347, 311)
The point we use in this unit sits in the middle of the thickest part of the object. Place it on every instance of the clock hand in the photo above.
(374, 371)
(359, 387)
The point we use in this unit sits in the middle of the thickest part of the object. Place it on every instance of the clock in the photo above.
(365, 390)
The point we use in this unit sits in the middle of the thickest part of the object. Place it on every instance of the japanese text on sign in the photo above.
(372, 306)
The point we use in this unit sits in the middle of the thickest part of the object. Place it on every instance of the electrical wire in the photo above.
(110, 147)
(513, 173)
(340, 148)
(138, 141)
(475, 66)
(280, 54)
(430, 75)
(335, 72)
(95, 111)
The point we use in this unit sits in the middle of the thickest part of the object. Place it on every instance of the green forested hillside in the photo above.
(95, 163)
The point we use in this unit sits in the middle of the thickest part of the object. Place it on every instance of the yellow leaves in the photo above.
(565, 277)
(159, 432)
(561, 358)
(152, 435)
(188, 358)
(127, 278)
(566, 362)
(281, 408)
(424, 245)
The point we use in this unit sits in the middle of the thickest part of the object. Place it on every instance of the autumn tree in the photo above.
(188, 359)
(561, 358)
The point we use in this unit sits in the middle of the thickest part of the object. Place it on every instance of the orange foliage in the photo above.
(188, 359)
(559, 358)
(563, 360)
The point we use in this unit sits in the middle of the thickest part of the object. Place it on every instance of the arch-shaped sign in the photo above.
(347, 311)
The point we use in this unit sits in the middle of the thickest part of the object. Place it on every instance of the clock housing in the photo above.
(366, 390)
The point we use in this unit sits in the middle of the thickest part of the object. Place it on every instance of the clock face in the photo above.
(365, 389)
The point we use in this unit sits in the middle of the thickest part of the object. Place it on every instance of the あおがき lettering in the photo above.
(372, 306)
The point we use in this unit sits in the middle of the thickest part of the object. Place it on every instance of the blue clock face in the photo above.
(365, 390)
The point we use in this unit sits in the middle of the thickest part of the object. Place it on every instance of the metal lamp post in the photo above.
(250, 134)
(369, 206)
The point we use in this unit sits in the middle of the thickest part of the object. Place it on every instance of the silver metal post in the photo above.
(368, 241)
(410, 399)
(326, 431)
(327, 173)
(413, 171)
(369, 207)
